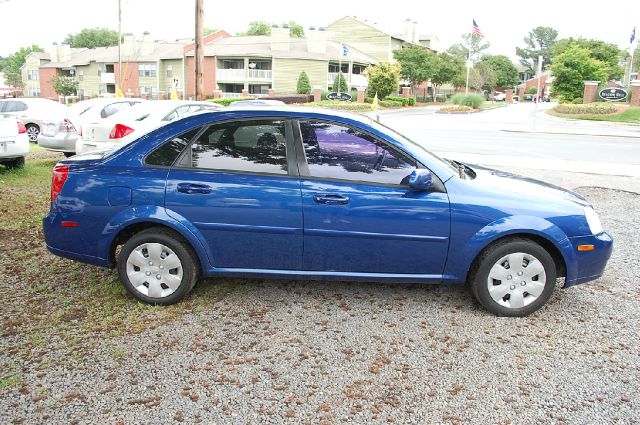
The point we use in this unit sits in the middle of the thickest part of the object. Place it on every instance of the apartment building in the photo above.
(255, 64)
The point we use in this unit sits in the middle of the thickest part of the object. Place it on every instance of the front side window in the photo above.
(250, 146)
(339, 152)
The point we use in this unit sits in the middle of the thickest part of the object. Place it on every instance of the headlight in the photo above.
(593, 220)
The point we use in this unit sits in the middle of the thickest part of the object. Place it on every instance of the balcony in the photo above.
(260, 74)
(225, 95)
(107, 78)
(354, 80)
(230, 74)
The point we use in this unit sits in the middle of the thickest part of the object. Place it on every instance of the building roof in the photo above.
(79, 57)
(378, 27)
(40, 55)
(260, 46)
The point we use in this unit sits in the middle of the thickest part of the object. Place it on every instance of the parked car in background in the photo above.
(500, 97)
(31, 111)
(60, 130)
(129, 124)
(240, 192)
(257, 102)
(14, 141)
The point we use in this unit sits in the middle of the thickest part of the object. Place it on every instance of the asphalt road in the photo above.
(505, 137)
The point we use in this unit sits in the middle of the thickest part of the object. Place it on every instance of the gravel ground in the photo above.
(326, 352)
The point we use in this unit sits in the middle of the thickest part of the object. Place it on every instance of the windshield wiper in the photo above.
(460, 167)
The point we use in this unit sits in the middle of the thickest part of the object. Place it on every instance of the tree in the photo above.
(207, 31)
(13, 63)
(447, 68)
(383, 79)
(607, 53)
(539, 42)
(304, 87)
(482, 78)
(93, 37)
(264, 28)
(416, 64)
(470, 48)
(64, 86)
(340, 83)
(571, 68)
(505, 72)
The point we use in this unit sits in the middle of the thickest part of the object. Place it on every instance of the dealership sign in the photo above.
(613, 94)
(339, 96)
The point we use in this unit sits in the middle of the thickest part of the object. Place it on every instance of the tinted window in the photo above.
(109, 110)
(166, 154)
(339, 152)
(254, 146)
(14, 106)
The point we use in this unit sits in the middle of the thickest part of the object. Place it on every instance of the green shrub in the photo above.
(591, 109)
(412, 101)
(403, 100)
(227, 101)
(577, 101)
(473, 100)
(340, 84)
(323, 95)
(368, 99)
(533, 90)
(390, 103)
(304, 87)
(450, 109)
(342, 106)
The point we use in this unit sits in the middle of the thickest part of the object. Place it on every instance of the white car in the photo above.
(14, 141)
(500, 97)
(31, 111)
(126, 126)
(60, 131)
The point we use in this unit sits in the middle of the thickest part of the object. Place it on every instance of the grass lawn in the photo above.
(52, 305)
(629, 116)
(492, 105)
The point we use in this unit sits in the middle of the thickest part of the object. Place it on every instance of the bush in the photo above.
(533, 90)
(412, 101)
(342, 106)
(227, 101)
(473, 100)
(340, 84)
(304, 87)
(403, 100)
(383, 79)
(454, 109)
(577, 101)
(323, 95)
(390, 103)
(591, 108)
(292, 98)
(368, 99)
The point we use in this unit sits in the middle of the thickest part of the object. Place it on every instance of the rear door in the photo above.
(236, 184)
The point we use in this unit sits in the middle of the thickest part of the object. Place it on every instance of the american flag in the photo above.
(476, 30)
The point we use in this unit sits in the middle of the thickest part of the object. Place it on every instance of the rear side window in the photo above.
(109, 110)
(14, 106)
(253, 146)
(166, 154)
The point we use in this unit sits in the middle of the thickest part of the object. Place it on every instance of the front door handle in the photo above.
(330, 199)
(193, 188)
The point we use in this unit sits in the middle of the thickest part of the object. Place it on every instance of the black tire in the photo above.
(33, 131)
(478, 278)
(179, 246)
(16, 163)
(68, 154)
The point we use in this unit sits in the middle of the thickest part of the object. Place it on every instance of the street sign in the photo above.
(613, 94)
(339, 96)
(176, 82)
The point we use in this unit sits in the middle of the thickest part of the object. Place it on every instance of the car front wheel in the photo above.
(514, 278)
(157, 266)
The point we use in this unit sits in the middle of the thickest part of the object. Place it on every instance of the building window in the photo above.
(147, 70)
(264, 65)
(232, 64)
(335, 68)
(231, 88)
(80, 75)
(34, 91)
(259, 88)
(358, 69)
(33, 74)
(169, 71)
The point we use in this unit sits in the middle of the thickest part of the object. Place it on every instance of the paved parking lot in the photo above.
(76, 349)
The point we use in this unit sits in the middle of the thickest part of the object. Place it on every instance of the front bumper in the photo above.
(60, 142)
(589, 265)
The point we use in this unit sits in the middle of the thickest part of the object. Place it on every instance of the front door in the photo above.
(235, 185)
(360, 216)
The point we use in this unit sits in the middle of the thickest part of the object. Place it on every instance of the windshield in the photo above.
(405, 140)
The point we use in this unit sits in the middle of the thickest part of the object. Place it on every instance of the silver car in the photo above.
(61, 132)
(31, 111)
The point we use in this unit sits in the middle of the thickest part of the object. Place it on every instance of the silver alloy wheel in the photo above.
(154, 270)
(32, 133)
(516, 280)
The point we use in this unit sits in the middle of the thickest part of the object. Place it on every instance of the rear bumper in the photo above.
(60, 142)
(88, 146)
(14, 147)
(56, 236)
(590, 265)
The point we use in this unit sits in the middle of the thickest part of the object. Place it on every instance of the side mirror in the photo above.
(421, 179)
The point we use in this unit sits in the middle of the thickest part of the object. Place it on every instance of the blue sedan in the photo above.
(306, 193)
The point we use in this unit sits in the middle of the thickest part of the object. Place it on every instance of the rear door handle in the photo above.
(330, 199)
(193, 188)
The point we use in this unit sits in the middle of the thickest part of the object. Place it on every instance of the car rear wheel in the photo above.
(68, 154)
(157, 266)
(514, 278)
(32, 132)
(16, 163)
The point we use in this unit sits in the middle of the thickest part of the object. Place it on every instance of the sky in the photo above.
(504, 23)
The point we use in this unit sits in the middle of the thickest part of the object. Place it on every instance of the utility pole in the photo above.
(199, 47)
(119, 45)
(537, 97)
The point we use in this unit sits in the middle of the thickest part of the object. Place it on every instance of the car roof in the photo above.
(297, 110)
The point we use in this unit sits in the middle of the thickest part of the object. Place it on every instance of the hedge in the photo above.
(472, 100)
(591, 108)
(390, 103)
(450, 109)
(228, 101)
(292, 98)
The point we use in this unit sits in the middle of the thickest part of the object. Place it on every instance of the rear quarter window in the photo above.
(167, 153)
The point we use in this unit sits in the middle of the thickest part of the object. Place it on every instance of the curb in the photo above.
(626, 136)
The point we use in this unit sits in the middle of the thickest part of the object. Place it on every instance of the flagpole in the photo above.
(466, 87)
(633, 37)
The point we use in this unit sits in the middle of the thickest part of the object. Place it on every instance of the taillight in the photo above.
(67, 126)
(21, 128)
(119, 131)
(60, 173)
